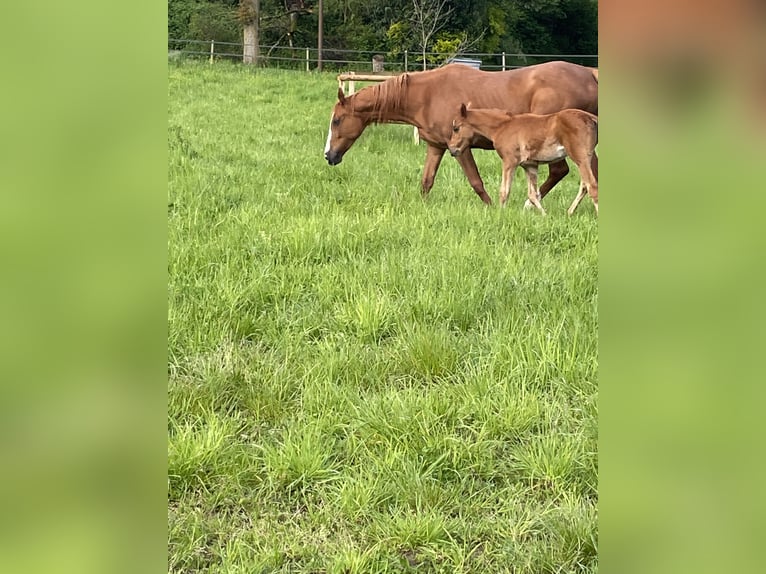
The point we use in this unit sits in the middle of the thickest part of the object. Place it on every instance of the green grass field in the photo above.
(361, 381)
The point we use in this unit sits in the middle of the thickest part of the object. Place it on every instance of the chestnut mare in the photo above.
(429, 100)
(529, 140)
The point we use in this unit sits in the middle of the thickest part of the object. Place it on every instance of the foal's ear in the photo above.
(463, 110)
(341, 96)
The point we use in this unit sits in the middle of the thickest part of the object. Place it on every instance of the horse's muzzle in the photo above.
(333, 157)
(454, 151)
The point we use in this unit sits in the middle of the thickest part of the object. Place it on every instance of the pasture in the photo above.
(361, 381)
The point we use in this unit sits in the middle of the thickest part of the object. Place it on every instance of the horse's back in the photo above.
(539, 126)
(542, 88)
(556, 86)
(578, 124)
(578, 115)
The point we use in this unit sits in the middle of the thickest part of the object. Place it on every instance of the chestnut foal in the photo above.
(529, 140)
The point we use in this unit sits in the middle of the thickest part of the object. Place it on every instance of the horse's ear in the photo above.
(341, 96)
(463, 110)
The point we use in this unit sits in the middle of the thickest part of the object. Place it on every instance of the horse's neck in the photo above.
(488, 123)
(386, 104)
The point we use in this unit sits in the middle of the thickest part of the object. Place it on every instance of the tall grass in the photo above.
(360, 380)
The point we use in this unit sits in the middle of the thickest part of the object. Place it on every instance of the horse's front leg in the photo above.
(533, 195)
(466, 161)
(433, 159)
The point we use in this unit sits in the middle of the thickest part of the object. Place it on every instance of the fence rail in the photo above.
(359, 60)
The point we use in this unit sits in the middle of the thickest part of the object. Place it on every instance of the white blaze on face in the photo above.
(329, 136)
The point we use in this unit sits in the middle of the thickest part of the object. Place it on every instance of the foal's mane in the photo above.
(387, 97)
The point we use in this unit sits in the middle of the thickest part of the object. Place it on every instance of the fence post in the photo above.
(307, 60)
(212, 50)
(405, 60)
(503, 61)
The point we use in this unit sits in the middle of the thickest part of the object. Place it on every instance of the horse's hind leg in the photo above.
(593, 192)
(466, 161)
(578, 198)
(594, 165)
(533, 195)
(556, 172)
(593, 187)
(588, 182)
(433, 159)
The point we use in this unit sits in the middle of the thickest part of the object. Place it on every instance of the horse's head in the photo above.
(462, 132)
(345, 127)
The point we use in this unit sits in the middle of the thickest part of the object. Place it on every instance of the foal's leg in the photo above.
(594, 164)
(466, 161)
(578, 198)
(556, 172)
(532, 192)
(588, 181)
(509, 168)
(593, 183)
(433, 159)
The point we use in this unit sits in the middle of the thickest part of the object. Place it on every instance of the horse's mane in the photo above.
(387, 97)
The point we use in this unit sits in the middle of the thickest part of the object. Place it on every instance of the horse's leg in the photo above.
(433, 159)
(593, 192)
(578, 197)
(509, 169)
(466, 161)
(594, 165)
(588, 182)
(556, 172)
(533, 195)
(593, 187)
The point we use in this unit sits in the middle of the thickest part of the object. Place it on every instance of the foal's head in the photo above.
(462, 132)
(345, 127)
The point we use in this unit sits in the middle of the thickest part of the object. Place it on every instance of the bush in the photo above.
(216, 22)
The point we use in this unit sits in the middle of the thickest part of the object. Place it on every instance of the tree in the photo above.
(320, 35)
(428, 17)
(452, 44)
(294, 8)
(250, 16)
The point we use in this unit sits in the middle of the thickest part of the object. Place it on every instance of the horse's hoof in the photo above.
(528, 204)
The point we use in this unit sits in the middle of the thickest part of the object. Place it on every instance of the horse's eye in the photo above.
(336, 121)
(455, 129)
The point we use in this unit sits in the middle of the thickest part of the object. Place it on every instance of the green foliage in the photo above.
(357, 36)
(557, 26)
(537, 26)
(215, 22)
(360, 380)
(446, 45)
(398, 38)
(496, 28)
(179, 16)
